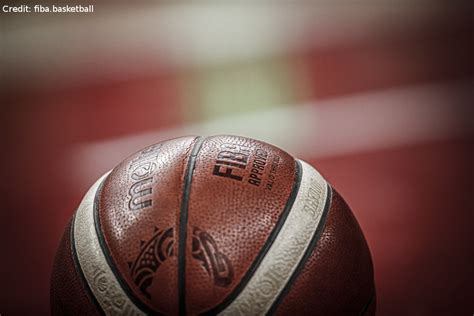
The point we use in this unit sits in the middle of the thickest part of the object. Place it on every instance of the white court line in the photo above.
(339, 126)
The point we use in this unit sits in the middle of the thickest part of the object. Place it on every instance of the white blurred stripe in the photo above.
(126, 41)
(334, 127)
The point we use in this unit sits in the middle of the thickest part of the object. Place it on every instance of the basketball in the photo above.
(212, 225)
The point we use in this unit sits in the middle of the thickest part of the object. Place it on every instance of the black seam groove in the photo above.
(365, 309)
(78, 268)
(307, 254)
(276, 230)
(183, 223)
(105, 250)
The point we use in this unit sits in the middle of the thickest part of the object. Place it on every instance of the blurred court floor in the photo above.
(377, 95)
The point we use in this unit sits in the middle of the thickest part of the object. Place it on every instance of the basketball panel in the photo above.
(337, 278)
(139, 212)
(239, 191)
(69, 291)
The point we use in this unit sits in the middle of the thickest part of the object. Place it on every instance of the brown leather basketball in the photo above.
(219, 225)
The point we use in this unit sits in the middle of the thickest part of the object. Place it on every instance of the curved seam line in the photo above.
(78, 268)
(103, 245)
(183, 223)
(266, 247)
(365, 309)
(307, 254)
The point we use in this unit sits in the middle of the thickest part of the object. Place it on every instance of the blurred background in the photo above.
(378, 95)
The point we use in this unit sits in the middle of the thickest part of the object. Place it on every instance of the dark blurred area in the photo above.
(377, 95)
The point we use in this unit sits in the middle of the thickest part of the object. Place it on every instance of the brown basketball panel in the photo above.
(337, 278)
(238, 192)
(69, 293)
(139, 212)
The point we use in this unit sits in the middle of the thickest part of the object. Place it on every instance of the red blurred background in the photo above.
(377, 95)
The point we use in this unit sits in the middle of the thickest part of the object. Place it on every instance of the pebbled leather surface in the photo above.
(68, 292)
(238, 192)
(337, 279)
(236, 214)
(288, 249)
(139, 213)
